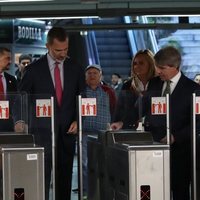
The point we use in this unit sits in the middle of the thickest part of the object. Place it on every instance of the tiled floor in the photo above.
(74, 180)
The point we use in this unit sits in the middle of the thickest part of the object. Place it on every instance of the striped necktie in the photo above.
(58, 84)
(167, 88)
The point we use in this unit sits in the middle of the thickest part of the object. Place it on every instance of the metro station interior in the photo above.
(108, 33)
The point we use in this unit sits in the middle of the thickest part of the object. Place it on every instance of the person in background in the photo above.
(180, 89)
(197, 78)
(142, 70)
(24, 60)
(8, 84)
(116, 83)
(106, 101)
(57, 75)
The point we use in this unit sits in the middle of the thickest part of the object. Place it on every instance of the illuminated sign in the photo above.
(29, 33)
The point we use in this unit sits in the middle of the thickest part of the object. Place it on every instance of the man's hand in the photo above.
(21, 127)
(164, 140)
(73, 128)
(116, 125)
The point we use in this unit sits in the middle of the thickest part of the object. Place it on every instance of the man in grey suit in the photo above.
(43, 77)
(180, 88)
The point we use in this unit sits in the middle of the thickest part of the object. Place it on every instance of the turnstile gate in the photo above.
(135, 168)
(22, 169)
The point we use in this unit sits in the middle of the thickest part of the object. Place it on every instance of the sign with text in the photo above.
(4, 109)
(158, 105)
(43, 108)
(29, 32)
(89, 106)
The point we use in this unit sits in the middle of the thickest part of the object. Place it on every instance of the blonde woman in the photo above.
(142, 70)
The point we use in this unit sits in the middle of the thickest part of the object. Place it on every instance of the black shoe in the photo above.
(75, 190)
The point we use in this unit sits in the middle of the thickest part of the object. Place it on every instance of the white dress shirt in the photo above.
(173, 82)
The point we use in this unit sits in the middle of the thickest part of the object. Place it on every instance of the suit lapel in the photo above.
(179, 86)
(9, 83)
(47, 74)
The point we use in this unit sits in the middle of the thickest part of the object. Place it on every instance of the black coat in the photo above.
(7, 125)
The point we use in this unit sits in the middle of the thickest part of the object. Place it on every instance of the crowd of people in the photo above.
(57, 75)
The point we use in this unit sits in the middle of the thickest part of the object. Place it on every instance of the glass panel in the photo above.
(39, 124)
(12, 108)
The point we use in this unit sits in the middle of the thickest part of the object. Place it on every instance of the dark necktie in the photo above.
(167, 89)
(1, 88)
(58, 85)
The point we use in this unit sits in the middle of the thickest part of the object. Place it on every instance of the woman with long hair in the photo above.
(142, 70)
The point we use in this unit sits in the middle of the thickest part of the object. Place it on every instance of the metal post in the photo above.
(80, 170)
(168, 137)
(168, 122)
(194, 174)
(53, 149)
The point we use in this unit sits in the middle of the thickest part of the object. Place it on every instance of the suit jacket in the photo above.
(180, 111)
(7, 125)
(37, 82)
(126, 110)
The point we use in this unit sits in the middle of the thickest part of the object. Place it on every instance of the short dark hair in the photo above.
(169, 56)
(116, 74)
(25, 57)
(58, 33)
(3, 49)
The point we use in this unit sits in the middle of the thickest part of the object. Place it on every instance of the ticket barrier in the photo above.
(138, 168)
(108, 165)
(93, 148)
(98, 181)
(21, 168)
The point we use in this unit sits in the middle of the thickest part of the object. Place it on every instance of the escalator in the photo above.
(113, 49)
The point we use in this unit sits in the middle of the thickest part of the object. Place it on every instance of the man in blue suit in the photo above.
(168, 61)
(41, 82)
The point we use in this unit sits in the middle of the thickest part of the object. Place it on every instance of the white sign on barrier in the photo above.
(89, 106)
(43, 108)
(158, 105)
(4, 109)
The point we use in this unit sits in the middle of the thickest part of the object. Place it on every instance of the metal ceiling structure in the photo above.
(102, 8)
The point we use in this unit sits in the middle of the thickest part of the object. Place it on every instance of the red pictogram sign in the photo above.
(89, 107)
(43, 108)
(158, 105)
(4, 109)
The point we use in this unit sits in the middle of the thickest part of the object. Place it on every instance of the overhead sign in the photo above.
(29, 32)
(158, 105)
(89, 106)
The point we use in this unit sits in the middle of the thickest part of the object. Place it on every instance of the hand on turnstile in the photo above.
(21, 127)
(116, 125)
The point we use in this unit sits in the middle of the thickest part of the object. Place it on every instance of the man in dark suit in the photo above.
(168, 62)
(41, 81)
(8, 86)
